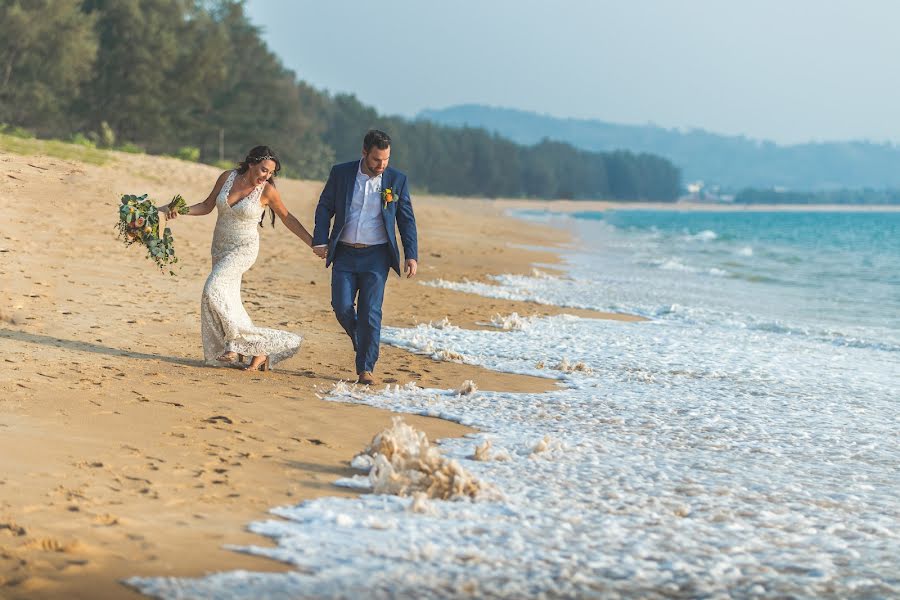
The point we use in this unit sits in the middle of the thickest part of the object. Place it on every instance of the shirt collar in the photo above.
(363, 176)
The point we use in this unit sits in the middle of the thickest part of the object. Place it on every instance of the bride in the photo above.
(241, 197)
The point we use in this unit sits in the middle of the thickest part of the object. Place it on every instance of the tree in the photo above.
(170, 74)
(47, 48)
(135, 79)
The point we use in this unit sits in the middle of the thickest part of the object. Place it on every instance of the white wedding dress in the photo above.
(224, 323)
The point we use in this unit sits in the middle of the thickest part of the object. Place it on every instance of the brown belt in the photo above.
(357, 245)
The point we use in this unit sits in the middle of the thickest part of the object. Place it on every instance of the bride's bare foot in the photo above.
(259, 363)
(230, 357)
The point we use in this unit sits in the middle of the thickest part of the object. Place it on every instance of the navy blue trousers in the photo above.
(358, 276)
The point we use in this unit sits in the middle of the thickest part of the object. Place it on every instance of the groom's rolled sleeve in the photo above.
(325, 211)
(406, 223)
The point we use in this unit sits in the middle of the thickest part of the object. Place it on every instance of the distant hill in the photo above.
(733, 162)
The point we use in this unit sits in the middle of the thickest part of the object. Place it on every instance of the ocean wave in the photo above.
(834, 338)
(574, 292)
(707, 235)
(758, 278)
(673, 264)
(543, 289)
(587, 215)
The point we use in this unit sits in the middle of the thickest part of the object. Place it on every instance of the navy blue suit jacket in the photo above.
(335, 203)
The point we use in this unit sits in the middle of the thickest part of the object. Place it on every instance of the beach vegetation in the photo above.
(106, 135)
(131, 148)
(226, 165)
(14, 144)
(82, 140)
(189, 153)
(19, 132)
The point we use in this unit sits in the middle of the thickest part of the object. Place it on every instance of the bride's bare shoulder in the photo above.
(220, 181)
(270, 192)
(223, 177)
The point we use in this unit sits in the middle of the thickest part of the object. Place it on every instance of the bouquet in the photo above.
(139, 224)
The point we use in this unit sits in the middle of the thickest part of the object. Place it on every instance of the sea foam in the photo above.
(684, 462)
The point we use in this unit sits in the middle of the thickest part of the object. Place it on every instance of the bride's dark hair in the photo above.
(257, 155)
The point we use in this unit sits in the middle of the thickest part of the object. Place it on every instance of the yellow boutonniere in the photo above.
(388, 196)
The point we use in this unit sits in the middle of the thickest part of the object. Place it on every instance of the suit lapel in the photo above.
(386, 182)
(351, 186)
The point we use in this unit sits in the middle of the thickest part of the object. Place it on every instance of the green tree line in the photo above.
(195, 78)
(844, 196)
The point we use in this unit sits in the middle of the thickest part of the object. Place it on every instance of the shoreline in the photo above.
(131, 458)
(570, 206)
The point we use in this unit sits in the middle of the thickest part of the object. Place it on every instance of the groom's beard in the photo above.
(374, 168)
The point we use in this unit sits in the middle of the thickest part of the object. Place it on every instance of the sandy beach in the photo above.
(124, 454)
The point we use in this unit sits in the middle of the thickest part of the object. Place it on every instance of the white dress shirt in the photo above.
(365, 223)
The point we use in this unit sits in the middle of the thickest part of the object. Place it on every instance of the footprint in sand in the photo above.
(11, 528)
(219, 419)
(175, 404)
(106, 520)
(48, 545)
(84, 464)
(313, 441)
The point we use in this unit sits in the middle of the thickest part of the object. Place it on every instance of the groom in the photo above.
(367, 200)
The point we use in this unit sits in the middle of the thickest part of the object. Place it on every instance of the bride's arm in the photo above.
(272, 199)
(201, 208)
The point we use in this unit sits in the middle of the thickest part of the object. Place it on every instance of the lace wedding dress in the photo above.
(224, 324)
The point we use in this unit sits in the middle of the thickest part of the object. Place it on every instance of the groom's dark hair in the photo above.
(376, 138)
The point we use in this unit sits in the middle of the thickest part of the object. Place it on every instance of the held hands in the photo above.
(411, 266)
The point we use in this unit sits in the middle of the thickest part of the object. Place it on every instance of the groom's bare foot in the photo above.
(366, 378)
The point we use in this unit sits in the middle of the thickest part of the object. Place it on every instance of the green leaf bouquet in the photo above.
(139, 224)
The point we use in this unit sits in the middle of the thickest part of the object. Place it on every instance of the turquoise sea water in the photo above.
(835, 275)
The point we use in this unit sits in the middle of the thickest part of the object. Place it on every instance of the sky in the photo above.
(790, 71)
